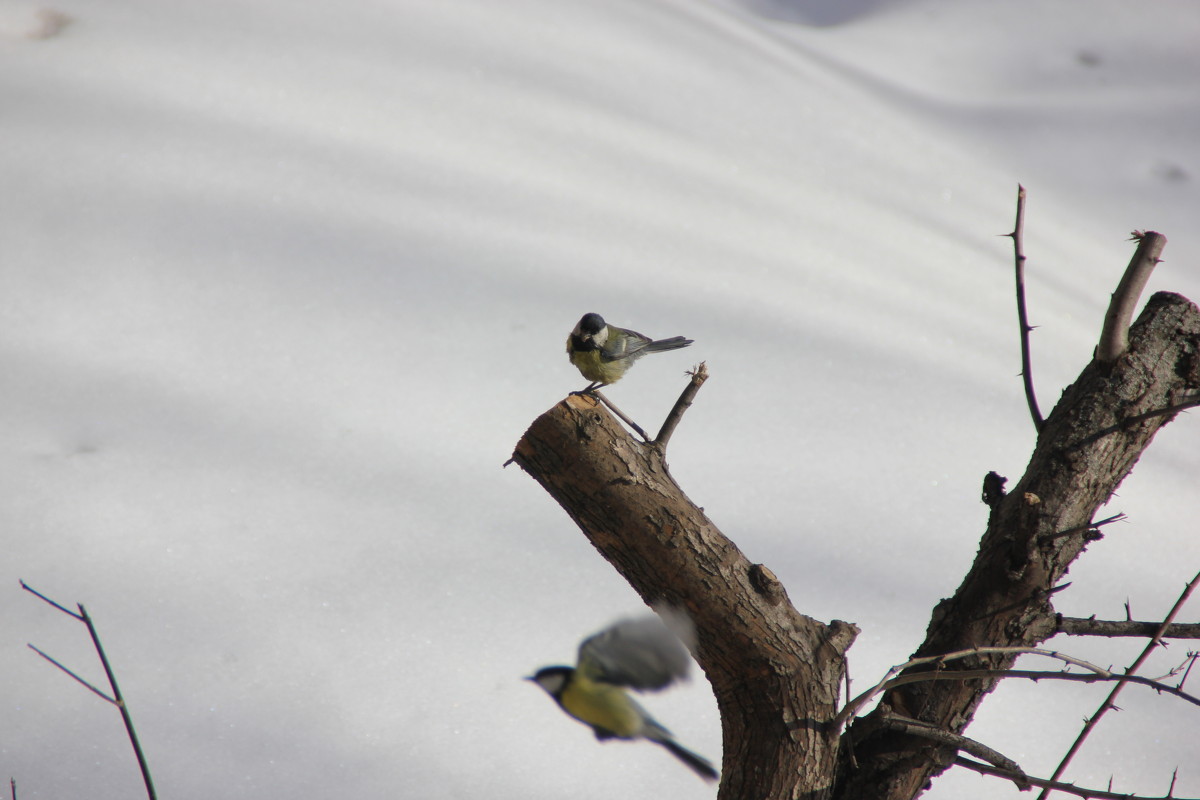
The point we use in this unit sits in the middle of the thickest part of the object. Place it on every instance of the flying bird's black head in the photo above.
(553, 679)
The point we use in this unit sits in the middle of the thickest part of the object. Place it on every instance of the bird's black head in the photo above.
(591, 323)
(552, 679)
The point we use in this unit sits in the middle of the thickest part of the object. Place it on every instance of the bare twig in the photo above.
(1018, 237)
(1114, 338)
(36, 593)
(98, 692)
(1038, 675)
(1091, 526)
(1129, 422)
(620, 414)
(1069, 788)
(116, 699)
(959, 742)
(1128, 677)
(1192, 656)
(1038, 595)
(852, 706)
(699, 376)
(1095, 673)
(1077, 626)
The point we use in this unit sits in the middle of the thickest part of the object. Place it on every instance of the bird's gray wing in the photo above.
(624, 343)
(641, 653)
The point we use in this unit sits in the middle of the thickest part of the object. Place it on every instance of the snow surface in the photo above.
(283, 283)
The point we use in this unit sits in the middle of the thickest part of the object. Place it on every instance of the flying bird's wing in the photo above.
(641, 653)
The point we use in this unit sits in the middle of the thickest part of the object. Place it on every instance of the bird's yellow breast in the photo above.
(604, 706)
(594, 368)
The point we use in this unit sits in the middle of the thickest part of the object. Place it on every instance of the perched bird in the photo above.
(640, 653)
(603, 353)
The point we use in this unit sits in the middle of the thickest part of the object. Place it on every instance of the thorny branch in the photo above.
(1078, 626)
(1018, 237)
(1069, 788)
(1128, 677)
(1094, 673)
(959, 742)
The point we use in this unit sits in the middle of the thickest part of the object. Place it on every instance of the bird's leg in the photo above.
(590, 388)
(637, 429)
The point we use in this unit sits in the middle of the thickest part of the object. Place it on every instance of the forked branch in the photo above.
(116, 699)
(893, 679)
(1128, 677)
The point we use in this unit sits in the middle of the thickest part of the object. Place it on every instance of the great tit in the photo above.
(603, 353)
(640, 653)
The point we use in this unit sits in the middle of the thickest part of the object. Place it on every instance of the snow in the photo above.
(283, 283)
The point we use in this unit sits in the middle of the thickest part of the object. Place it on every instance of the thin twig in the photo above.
(1095, 673)
(1077, 626)
(1037, 596)
(61, 608)
(1050, 537)
(637, 428)
(120, 703)
(1128, 422)
(1128, 677)
(116, 699)
(99, 693)
(958, 741)
(1038, 675)
(1069, 788)
(852, 706)
(1018, 237)
(699, 376)
(1114, 338)
(1191, 663)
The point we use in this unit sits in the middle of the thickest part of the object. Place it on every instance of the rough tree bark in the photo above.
(775, 672)
(1087, 447)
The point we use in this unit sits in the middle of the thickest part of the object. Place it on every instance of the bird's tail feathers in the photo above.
(699, 764)
(674, 343)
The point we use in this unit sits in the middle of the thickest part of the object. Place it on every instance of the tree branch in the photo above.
(1018, 237)
(1095, 673)
(775, 672)
(620, 414)
(1004, 600)
(1114, 338)
(1069, 788)
(116, 699)
(699, 376)
(1128, 677)
(1090, 529)
(1077, 626)
(959, 742)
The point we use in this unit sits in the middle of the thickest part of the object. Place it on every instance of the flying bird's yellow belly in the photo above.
(603, 706)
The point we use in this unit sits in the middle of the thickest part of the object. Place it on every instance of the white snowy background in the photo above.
(282, 284)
